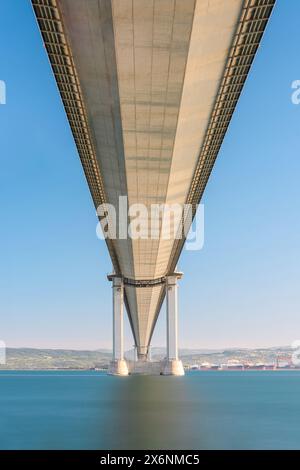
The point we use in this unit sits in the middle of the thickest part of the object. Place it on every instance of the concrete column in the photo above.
(173, 365)
(118, 311)
(135, 358)
(172, 318)
(118, 365)
(149, 354)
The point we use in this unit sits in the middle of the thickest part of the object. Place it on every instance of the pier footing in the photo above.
(118, 367)
(173, 367)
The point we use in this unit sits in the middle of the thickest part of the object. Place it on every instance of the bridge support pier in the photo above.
(172, 366)
(118, 365)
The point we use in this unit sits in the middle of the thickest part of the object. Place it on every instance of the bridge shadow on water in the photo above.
(207, 410)
(212, 410)
(90, 410)
(152, 412)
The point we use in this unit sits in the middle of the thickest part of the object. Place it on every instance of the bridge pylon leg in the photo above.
(173, 365)
(118, 364)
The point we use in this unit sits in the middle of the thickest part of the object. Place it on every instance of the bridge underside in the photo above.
(149, 87)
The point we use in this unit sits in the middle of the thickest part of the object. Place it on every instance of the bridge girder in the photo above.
(149, 88)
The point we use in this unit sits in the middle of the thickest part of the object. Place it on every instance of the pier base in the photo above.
(118, 367)
(173, 367)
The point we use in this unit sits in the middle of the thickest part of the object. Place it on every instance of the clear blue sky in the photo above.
(242, 289)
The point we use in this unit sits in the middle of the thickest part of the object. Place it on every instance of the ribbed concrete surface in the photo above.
(149, 72)
(149, 87)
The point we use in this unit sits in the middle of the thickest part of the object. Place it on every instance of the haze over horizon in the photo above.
(155, 348)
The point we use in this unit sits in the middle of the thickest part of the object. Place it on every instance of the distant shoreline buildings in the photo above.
(281, 363)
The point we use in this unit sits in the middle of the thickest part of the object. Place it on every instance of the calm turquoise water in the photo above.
(203, 410)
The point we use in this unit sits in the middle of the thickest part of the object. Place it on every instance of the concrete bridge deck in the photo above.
(149, 88)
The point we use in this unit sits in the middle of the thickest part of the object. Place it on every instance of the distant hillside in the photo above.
(27, 358)
(222, 356)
